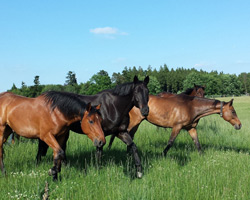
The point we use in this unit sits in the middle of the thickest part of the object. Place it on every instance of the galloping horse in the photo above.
(48, 118)
(182, 112)
(116, 104)
(197, 90)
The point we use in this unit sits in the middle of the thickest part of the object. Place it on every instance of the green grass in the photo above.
(223, 172)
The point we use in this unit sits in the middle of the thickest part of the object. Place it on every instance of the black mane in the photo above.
(67, 103)
(123, 89)
(188, 91)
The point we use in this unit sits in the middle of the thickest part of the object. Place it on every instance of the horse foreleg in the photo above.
(98, 155)
(126, 138)
(58, 154)
(111, 141)
(5, 131)
(175, 132)
(193, 133)
(1, 149)
(132, 135)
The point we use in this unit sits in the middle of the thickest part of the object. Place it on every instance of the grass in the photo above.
(221, 173)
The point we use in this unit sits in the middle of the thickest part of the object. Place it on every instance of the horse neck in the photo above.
(127, 102)
(204, 107)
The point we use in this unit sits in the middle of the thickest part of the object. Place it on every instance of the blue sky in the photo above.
(50, 38)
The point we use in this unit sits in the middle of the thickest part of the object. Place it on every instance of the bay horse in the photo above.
(182, 112)
(197, 90)
(48, 118)
(116, 104)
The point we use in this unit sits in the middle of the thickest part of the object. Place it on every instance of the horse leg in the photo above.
(5, 131)
(126, 138)
(58, 154)
(42, 150)
(62, 140)
(193, 133)
(13, 137)
(98, 155)
(175, 132)
(132, 134)
(111, 141)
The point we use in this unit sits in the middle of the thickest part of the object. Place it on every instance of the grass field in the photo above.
(223, 172)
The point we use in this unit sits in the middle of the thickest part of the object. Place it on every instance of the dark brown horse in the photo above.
(48, 118)
(116, 104)
(197, 90)
(182, 112)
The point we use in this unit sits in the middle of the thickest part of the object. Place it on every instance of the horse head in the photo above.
(229, 114)
(91, 125)
(140, 95)
(199, 90)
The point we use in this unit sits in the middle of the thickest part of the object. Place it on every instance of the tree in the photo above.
(71, 78)
(98, 82)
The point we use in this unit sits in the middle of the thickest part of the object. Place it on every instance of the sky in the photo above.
(50, 38)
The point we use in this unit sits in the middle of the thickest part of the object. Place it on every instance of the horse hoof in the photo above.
(139, 175)
(50, 172)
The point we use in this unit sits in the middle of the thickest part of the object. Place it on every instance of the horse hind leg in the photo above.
(42, 150)
(193, 133)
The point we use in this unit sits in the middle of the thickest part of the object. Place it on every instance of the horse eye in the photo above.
(91, 122)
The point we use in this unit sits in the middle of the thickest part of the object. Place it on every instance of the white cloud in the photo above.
(107, 31)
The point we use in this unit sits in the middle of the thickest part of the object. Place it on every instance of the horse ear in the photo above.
(88, 107)
(231, 102)
(136, 79)
(98, 107)
(146, 80)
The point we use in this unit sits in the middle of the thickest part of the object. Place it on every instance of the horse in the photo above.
(116, 104)
(182, 112)
(48, 118)
(197, 90)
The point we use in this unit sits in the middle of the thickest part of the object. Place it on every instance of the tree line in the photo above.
(163, 79)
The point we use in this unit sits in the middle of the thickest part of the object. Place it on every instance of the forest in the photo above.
(163, 79)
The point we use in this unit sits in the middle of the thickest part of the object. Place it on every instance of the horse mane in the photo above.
(188, 91)
(123, 89)
(68, 103)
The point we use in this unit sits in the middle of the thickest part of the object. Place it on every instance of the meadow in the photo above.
(222, 172)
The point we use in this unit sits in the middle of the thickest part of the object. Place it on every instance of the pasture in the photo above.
(222, 172)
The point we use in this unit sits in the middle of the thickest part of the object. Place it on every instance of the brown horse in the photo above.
(197, 90)
(182, 112)
(48, 117)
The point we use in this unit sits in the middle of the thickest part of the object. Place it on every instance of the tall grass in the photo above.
(223, 172)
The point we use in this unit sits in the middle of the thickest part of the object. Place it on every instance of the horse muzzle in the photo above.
(145, 111)
(237, 126)
(98, 143)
